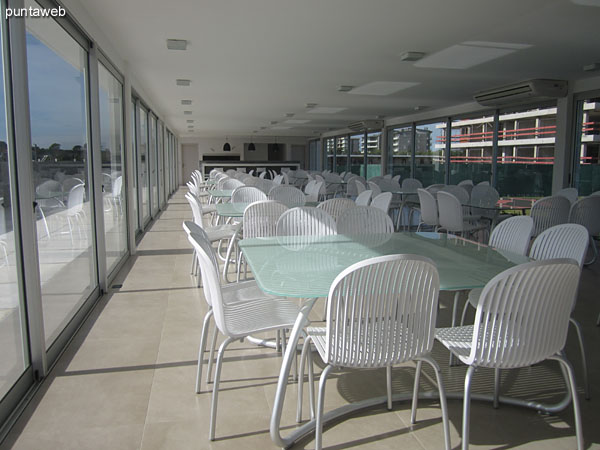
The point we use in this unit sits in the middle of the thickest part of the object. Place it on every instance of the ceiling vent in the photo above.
(524, 92)
(366, 125)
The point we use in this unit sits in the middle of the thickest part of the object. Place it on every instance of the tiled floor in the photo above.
(127, 380)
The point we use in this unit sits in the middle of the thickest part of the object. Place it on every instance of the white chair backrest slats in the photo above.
(231, 183)
(382, 201)
(486, 197)
(364, 198)
(450, 212)
(548, 212)
(513, 234)
(429, 207)
(570, 194)
(374, 187)
(336, 206)
(382, 311)
(260, 218)
(364, 220)
(288, 195)
(247, 194)
(586, 212)
(305, 221)
(568, 240)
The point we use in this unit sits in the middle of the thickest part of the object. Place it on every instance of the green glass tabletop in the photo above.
(221, 192)
(305, 266)
(237, 209)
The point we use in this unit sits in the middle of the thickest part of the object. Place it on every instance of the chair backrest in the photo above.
(75, 199)
(231, 183)
(335, 206)
(285, 176)
(486, 197)
(48, 188)
(568, 240)
(523, 314)
(450, 212)
(262, 175)
(382, 311)
(429, 207)
(466, 182)
(586, 212)
(435, 188)
(278, 179)
(483, 183)
(264, 185)
(196, 206)
(595, 193)
(318, 190)
(305, 221)
(374, 187)
(570, 194)
(308, 189)
(382, 201)
(247, 194)
(396, 178)
(70, 182)
(458, 191)
(411, 183)
(260, 218)
(513, 234)
(288, 195)
(360, 187)
(388, 176)
(364, 220)
(230, 172)
(348, 176)
(117, 187)
(549, 211)
(364, 198)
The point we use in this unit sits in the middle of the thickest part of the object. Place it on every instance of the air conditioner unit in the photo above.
(366, 125)
(523, 92)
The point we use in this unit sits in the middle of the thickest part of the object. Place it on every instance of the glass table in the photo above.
(305, 267)
(236, 210)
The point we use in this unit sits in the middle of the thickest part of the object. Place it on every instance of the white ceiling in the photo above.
(253, 61)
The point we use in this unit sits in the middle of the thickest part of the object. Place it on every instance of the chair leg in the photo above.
(415, 399)
(320, 404)
(594, 250)
(496, 388)
(443, 401)
(303, 357)
(570, 378)
(586, 381)
(211, 358)
(205, 327)
(213, 408)
(454, 311)
(464, 313)
(466, 407)
(388, 384)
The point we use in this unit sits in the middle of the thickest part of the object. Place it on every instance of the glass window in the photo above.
(313, 154)
(400, 151)
(111, 145)
(143, 162)
(57, 67)
(357, 154)
(341, 152)
(430, 159)
(373, 154)
(134, 181)
(330, 149)
(588, 157)
(471, 153)
(153, 150)
(526, 152)
(13, 345)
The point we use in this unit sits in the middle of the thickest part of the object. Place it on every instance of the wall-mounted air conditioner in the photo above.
(366, 125)
(523, 92)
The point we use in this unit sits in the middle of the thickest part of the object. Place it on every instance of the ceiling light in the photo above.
(273, 122)
(411, 56)
(226, 147)
(186, 102)
(187, 112)
(469, 54)
(345, 88)
(592, 67)
(311, 105)
(263, 128)
(190, 121)
(176, 44)
(289, 114)
(510, 45)
(251, 147)
(182, 82)
(325, 110)
(382, 87)
(297, 121)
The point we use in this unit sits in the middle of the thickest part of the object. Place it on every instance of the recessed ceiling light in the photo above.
(311, 105)
(345, 88)
(190, 121)
(411, 56)
(297, 121)
(280, 128)
(382, 87)
(187, 112)
(263, 128)
(186, 102)
(592, 67)
(469, 54)
(289, 114)
(176, 44)
(182, 82)
(273, 122)
(325, 110)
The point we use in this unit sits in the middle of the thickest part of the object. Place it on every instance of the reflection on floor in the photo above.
(127, 380)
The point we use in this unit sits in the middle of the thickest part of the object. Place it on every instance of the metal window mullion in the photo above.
(447, 149)
(365, 151)
(413, 157)
(97, 191)
(494, 180)
(577, 135)
(384, 151)
(26, 222)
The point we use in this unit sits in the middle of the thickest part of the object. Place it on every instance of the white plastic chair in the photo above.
(236, 316)
(435, 188)
(335, 206)
(522, 319)
(396, 178)
(305, 221)
(368, 304)
(486, 197)
(231, 183)
(451, 215)
(410, 199)
(570, 194)
(247, 194)
(382, 201)
(548, 212)
(363, 199)
(374, 187)
(429, 209)
(288, 195)
(364, 220)
(586, 212)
